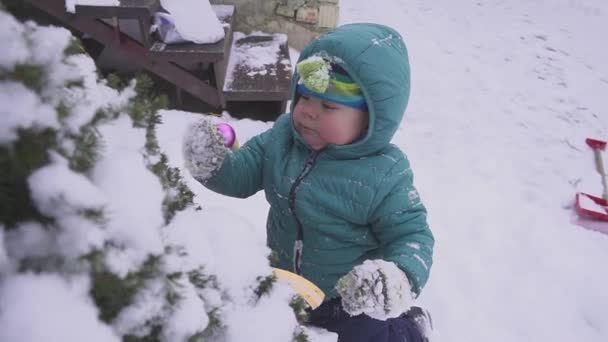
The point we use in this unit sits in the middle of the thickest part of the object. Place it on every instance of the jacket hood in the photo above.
(375, 56)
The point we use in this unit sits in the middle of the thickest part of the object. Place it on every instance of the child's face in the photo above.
(322, 122)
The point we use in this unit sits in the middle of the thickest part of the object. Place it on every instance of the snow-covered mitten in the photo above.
(376, 288)
(204, 149)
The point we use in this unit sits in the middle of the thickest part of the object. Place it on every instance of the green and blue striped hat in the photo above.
(329, 81)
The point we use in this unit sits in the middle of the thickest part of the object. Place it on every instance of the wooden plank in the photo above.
(132, 9)
(132, 50)
(190, 52)
(226, 15)
(268, 83)
(140, 10)
(219, 72)
(257, 110)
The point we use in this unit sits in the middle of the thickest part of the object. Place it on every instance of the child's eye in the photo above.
(305, 97)
(330, 107)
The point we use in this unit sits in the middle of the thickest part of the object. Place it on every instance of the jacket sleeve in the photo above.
(398, 220)
(241, 173)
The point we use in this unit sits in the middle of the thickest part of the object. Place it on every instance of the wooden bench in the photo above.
(205, 71)
(246, 81)
(215, 56)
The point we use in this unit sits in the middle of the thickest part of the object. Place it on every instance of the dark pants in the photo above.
(363, 328)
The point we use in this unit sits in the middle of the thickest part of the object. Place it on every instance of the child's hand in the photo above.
(376, 288)
(204, 149)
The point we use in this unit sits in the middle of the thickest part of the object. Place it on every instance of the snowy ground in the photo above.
(503, 95)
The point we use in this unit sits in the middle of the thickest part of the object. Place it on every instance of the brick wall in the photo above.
(302, 20)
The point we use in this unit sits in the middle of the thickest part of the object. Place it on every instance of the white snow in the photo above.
(145, 308)
(122, 167)
(503, 96)
(223, 11)
(86, 101)
(70, 5)
(47, 307)
(46, 46)
(16, 49)
(130, 196)
(170, 136)
(29, 111)
(195, 20)
(320, 335)
(52, 198)
(253, 57)
(29, 239)
(189, 317)
(213, 243)
(243, 324)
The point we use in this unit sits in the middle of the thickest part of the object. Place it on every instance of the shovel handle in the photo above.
(605, 183)
(599, 163)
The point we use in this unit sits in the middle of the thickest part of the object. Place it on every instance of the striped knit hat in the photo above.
(329, 81)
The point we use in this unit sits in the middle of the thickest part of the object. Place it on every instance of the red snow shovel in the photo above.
(589, 206)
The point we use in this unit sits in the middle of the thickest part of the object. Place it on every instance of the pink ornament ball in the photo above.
(228, 133)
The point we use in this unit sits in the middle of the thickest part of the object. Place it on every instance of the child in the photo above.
(343, 210)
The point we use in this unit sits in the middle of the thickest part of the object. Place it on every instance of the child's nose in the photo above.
(310, 112)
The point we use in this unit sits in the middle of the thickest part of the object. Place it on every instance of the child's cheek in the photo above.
(331, 132)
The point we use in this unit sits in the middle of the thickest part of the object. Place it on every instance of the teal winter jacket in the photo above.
(345, 203)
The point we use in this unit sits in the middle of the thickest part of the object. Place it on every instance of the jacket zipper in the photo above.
(298, 245)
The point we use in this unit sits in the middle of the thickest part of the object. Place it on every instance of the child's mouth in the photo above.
(307, 130)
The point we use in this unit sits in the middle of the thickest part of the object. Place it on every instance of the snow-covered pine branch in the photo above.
(99, 238)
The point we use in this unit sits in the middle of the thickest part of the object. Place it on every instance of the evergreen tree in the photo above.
(94, 225)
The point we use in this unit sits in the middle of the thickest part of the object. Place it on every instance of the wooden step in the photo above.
(259, 68)
(199, 69)
(217, 54)
(125, 9)
(132, 50)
